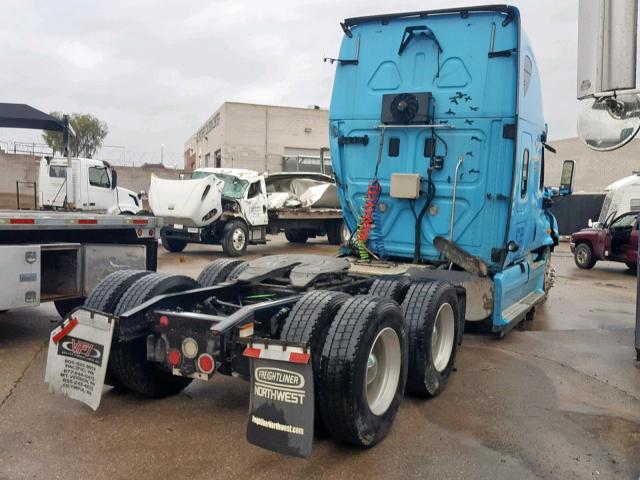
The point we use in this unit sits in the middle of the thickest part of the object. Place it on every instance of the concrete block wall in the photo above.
(594, 170)
(23, 168)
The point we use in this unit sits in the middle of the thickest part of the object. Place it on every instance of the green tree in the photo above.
(90, 133)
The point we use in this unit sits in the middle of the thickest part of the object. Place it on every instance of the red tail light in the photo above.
(164, 321)
(206, 364)
(174, 357)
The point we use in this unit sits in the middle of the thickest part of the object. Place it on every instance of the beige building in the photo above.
(260, 137)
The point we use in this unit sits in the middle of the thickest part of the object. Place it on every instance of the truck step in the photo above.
(520, 308)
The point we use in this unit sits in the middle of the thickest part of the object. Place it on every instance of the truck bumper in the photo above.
(187, 234)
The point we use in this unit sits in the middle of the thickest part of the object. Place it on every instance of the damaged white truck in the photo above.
(235, 207)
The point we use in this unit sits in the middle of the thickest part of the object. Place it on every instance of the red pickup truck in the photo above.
(616, 240)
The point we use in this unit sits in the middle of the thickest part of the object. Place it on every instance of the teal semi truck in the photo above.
(437, 143)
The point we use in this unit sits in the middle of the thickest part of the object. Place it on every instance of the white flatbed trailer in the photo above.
(61, 256)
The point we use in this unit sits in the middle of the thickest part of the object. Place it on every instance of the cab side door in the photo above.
(602, 245)
(256, 204)
(99, 192)
(632, 252)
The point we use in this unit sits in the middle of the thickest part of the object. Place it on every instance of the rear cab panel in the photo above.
(485, 86)
(473, 93)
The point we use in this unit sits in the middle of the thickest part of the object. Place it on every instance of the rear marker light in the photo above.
(299, 357)
(293, 355)
(174, 357)
(164, 321)
(206, 363)
(251, 352)
(189, 348)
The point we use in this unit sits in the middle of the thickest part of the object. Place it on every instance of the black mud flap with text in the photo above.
(281, 408)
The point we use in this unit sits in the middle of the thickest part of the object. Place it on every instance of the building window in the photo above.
(525, 173)
(217, 158)
(207, 158)
(98, 177)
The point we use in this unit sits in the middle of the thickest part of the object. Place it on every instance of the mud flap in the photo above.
(281, 408)
(78, 356)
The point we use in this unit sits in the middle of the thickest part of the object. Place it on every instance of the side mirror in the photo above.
(114, 179)
(141, 194)
(566, 179)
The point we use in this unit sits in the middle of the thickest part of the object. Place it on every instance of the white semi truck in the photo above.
(84, 184)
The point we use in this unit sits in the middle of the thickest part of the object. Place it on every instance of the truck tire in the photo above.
(297, 236)
(335, 232)
(235, 238)
(393, 287)
(363, 370)
(431, 308)
(309, 322)
(107, 293)
(235, 273)
(128, 359)
(218, 271)
(105, 297)
(172, 244)
(583, 256)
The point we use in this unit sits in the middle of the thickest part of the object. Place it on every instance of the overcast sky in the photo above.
(155, 70)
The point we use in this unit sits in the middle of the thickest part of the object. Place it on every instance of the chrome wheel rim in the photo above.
(443, 337)
(383, 371)
(238, 239)
(345, 234)
(581, 255)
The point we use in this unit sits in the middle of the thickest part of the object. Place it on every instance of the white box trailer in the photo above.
(61, 256)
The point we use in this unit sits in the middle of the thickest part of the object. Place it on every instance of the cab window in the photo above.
(57, 171)
(525, 173)
(528, 69)
(99, 177)
(624, 221)
(254, 190)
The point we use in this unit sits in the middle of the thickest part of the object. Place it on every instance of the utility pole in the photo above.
(162, 154)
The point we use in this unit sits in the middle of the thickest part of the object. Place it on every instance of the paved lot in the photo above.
(558, 399)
